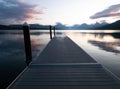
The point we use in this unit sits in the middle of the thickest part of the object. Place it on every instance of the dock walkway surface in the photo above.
(64, 65)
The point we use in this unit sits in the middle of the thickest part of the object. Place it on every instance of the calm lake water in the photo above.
(102, 45)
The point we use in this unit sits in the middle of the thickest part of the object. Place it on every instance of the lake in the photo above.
(102, 45)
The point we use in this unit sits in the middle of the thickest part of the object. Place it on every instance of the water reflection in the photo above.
(12, 57)
(107, 46)
(108, 42)
(38, 43)
(12, 52)
(116, 35)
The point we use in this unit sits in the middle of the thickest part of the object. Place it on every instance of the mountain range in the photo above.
(114, 26)
(104, 25)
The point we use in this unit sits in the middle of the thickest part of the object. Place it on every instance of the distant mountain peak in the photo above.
(114, 25)
(117, 22)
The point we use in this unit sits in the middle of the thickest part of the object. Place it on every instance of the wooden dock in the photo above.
(64, 65)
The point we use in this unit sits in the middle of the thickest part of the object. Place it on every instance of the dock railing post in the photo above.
(50, 32)
(27, 43)
(54, 30)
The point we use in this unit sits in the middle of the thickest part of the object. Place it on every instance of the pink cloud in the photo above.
(15, 11)
(112, 11)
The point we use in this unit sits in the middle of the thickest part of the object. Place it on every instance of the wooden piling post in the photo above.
(27, 43)
(50, 32)
(54, 31)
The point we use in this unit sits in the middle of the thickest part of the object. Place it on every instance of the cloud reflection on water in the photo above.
(107, 46)
(108, 42)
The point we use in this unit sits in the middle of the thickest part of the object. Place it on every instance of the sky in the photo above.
(68, 12)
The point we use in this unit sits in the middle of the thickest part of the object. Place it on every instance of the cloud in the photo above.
(15, 11)
(112, 11)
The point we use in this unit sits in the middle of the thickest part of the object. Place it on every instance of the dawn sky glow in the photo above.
(68, 12)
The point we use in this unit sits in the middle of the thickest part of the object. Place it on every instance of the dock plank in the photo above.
(65, 79)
